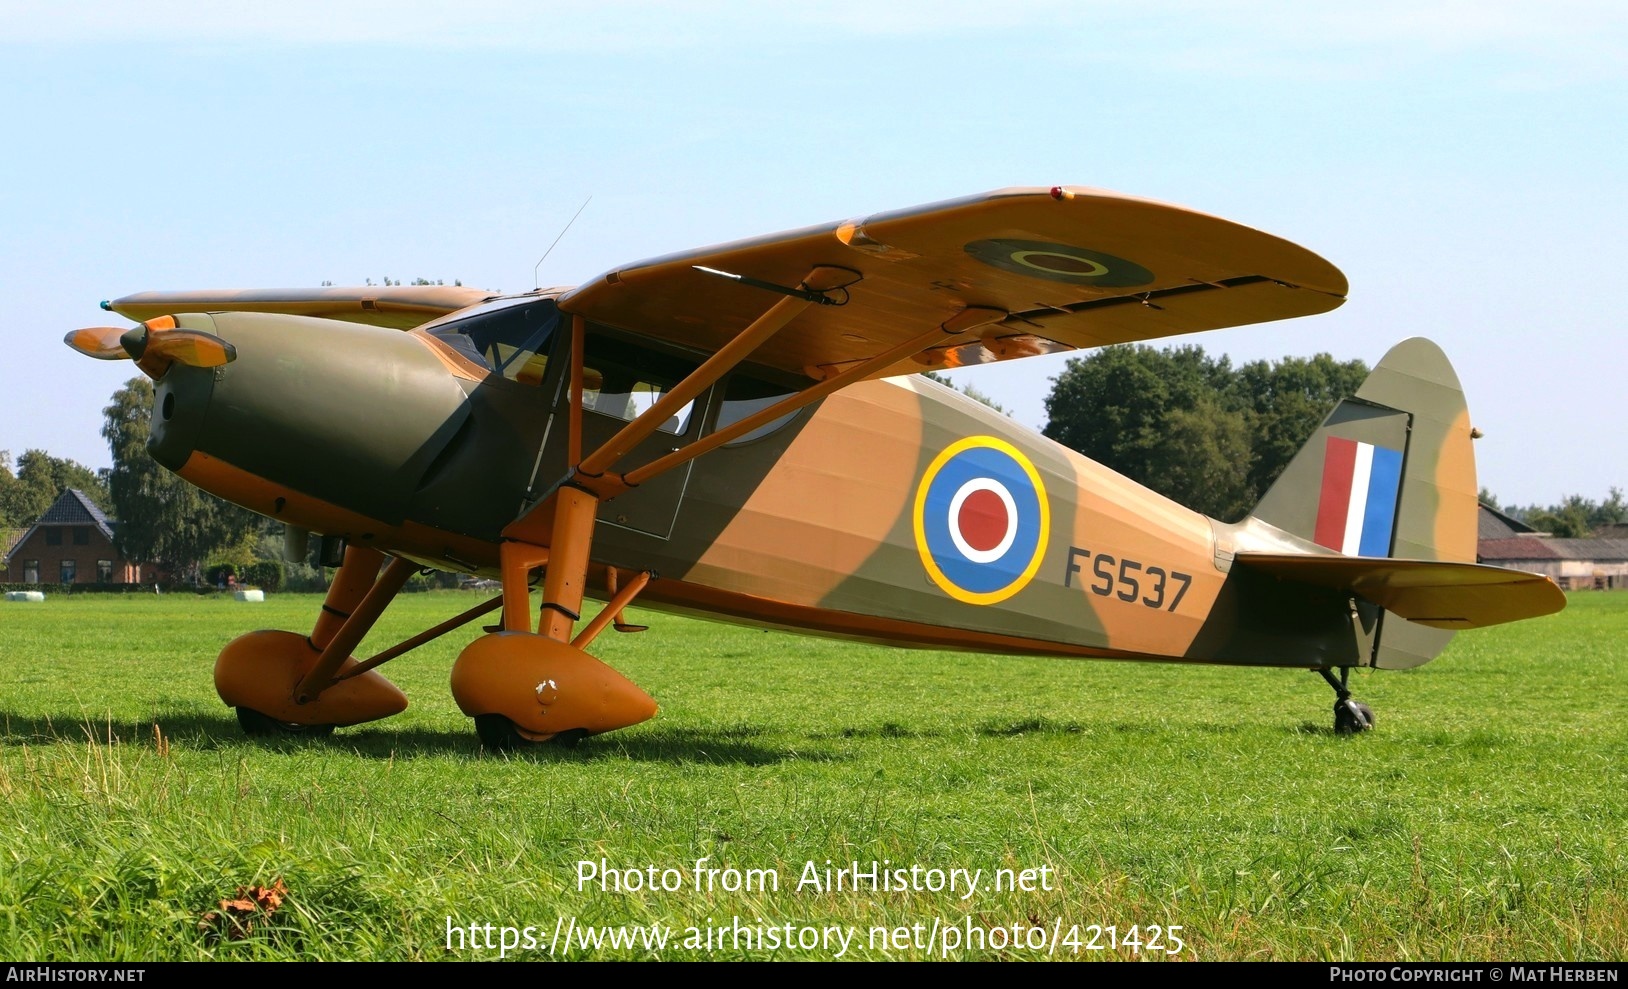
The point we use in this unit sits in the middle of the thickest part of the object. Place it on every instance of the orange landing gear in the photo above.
(287, 683)
(525, 688)
(257, 673)
(522, 688)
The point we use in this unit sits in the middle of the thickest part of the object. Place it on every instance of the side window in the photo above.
(628, 399)
(31, 571)
(623, 380)
(81, 536)
(70, 571)
(744, 396)
(53, 536)
(104, 571)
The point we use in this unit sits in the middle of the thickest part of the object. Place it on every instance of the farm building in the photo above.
(71, 543)
(1574, 564)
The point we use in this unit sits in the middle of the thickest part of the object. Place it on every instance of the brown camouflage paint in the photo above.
(1455, 537)
(917, 272)
(814, 500)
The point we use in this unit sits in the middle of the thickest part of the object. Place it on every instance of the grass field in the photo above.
(1485, 818)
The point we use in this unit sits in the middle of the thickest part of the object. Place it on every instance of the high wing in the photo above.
(1070, 267)
(398, 307)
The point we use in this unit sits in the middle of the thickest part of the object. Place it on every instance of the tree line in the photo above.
(37, 480)
(1573, 517)
(1191, 426)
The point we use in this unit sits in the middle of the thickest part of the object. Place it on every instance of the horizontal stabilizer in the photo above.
(1438, 593)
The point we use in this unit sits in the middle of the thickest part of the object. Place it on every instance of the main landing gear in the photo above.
(1350, 714)
(284, 683)
(522, 688)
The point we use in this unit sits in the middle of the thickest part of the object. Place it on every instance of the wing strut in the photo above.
(955, 326)
(559, 529)
(541, 685)
(686, 391)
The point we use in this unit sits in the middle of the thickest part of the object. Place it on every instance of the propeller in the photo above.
(153, 345)
(100, 342)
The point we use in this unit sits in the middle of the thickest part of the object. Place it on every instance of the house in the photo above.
(71, 543)
(1574, 564)
(1493, 524)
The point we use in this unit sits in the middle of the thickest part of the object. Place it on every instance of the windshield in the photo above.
(509, 336)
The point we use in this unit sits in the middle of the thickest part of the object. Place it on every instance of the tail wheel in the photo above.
(254, 723)
(1352, 716)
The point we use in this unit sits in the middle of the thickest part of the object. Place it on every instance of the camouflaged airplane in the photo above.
(745, 422)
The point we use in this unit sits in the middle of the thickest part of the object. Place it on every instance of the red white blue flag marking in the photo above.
(1357, 509)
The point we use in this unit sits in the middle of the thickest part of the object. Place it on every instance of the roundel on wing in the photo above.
(1059, 263)
(981, 520)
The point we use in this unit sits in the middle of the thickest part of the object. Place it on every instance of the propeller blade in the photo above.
(100, 342)
(194, 348)
(155, 345)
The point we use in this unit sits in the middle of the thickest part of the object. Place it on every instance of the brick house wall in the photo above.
(72, 543)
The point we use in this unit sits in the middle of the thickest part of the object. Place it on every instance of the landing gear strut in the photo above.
(525, 685)
(1350, 714)
(284, 683)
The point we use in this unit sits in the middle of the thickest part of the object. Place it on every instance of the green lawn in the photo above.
(1483, 819)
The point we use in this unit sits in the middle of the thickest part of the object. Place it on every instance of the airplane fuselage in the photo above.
(893, 510)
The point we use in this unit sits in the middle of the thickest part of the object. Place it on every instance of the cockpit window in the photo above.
(623, 380)
(509, 336)
(744, 396)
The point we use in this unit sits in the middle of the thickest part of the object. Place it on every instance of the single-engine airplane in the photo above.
(743, 422)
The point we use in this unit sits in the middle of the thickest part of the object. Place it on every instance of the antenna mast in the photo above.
(534, 268)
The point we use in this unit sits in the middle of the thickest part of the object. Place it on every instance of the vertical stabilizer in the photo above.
(1390, 473)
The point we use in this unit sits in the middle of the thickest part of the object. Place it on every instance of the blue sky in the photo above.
(1463, 163)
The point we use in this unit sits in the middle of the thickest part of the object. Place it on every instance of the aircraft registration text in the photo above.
(1128, 580)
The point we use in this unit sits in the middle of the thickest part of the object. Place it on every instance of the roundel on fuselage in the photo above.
(981, 520)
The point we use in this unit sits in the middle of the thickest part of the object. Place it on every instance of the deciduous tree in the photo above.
(39, 479)
(1287, 401)
(1164, 418)
(1191, 426)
